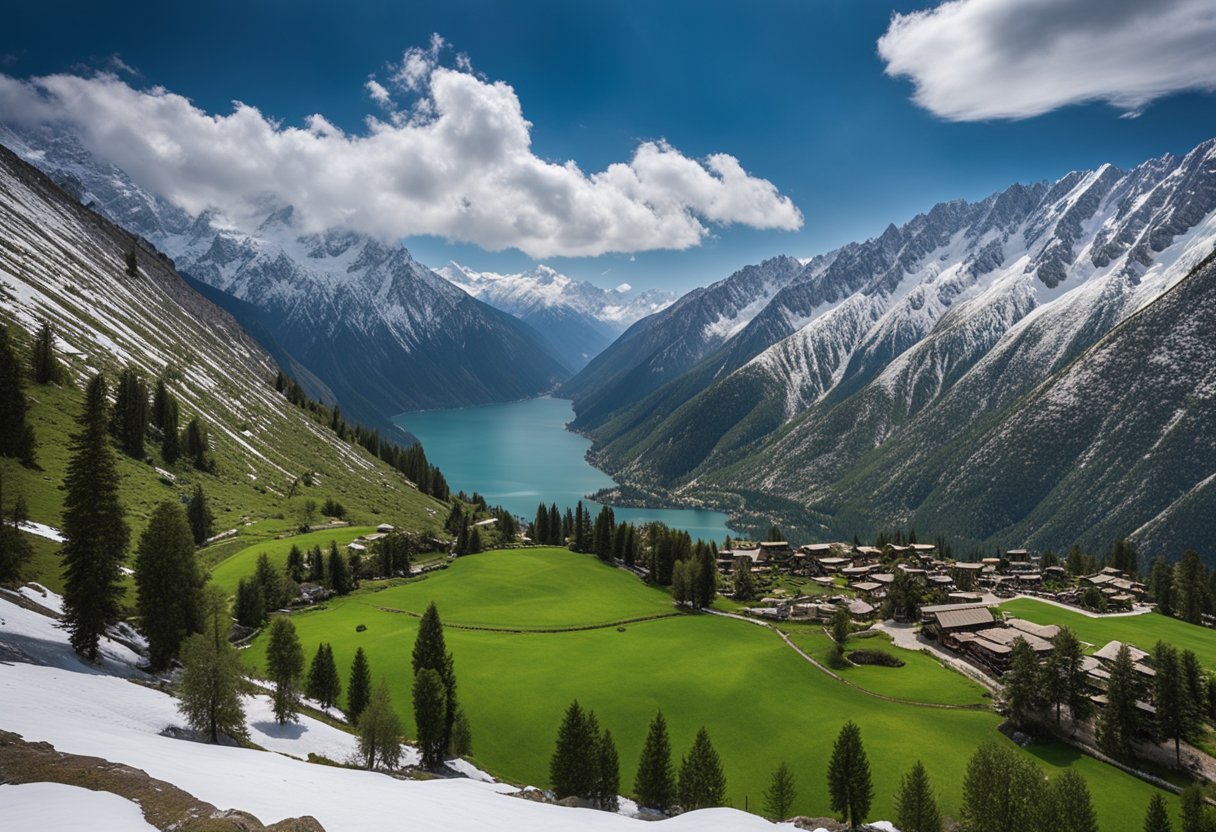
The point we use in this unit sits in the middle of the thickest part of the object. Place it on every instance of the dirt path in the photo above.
(905, 636)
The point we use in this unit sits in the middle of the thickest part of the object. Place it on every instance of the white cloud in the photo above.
(971, 60)
(457, 164)
(624, 289)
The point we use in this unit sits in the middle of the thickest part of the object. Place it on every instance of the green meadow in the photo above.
(760, 701)
(1142, 631)
(228, 572)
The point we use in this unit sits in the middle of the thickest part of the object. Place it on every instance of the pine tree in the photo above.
(202, 521)
(15, 548)
(1194, 682)
(1021, 684)
(338, 571)
(840, 630)
(849, 783)
(1064, 678)
(295, 564)
(430, 706)
(1157, 819)
(198, 445)
(745, 585)
(654, 786)
(540, 526)
(462, 736)
(170, 441)
(212, 680)
(1072, 809)
(379, 730)
(44, 366)
(95, 533)
(679, 583)
(1170, 697)
(608, 773)
(1002, 790)
(324, 686)
(702, 783)
(574, 767)
(1117, 722)
(359, 690)
(250, 603)
(270, 582)
(430, 651)
(129, 420)
(915, 804)
(16, 435)
(1161, 585)
(284, 666)
(555, 526)
(1190, 587)
(1196, 817)
(780, 794)
(168, 584)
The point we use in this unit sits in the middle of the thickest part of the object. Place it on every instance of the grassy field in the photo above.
(228, 572)
(1143, 631)
(759, 700)
(921, 679)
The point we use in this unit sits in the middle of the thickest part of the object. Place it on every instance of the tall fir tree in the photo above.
(1117, 721)
(1021, 684)
(338, 571)
(430, 707)
(462, 735)
(94, 529)
(379, 730)
(16, 435)
(1161, 585)
(1070, 804)
(202, 521)
(170, 437)
(654, 787)
(430, 651)
(1170, 698)
(915, 804)
(702, 783)
(323, 685)
(780, 795)
(849, 785)
(1157, 819)
(212, 677)
(608, 773)
(15, 547)
(1002, 790)
(359, 691)
(284, 666)
(129, 418)
(168, 584)
(197, 445)
(44, 364)
(1064, 680)
(1190, 590)
(574, 766)
(250, 605)
(1196, 816)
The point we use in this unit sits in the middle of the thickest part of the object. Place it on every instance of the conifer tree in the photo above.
(430, 706)
(212, 679)
(574, 767)
(540, 526)
(679, 583)
(270, 582)
(15, 548)
(430, 651)
(198, 445)
(1170, 697)
(44, 365)
(1161, 585)
(168, 584)
(840, 630)
(1072, 809)
(359, 691)
(1190, 587)
(745, 585)
(295, 564)
(915, 804)
(202, 521)
(1117, 722)
(1194, 682)
(16, 435)
(1021, 683)
(1002, 790)
(170, 440)
(780, 794)
(323, 685)
(608, 773)
(702, 783)
(1157, 818)
(555, 526)
(250, 603)
(1196, 817)
(284, 666)
(849, 785)
(94, 529)
(129, 420)
(462, 736)
(654, 786)
(379, 729)
(338, 571)
(1063, 677)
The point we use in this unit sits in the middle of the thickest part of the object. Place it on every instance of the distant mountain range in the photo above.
(916, 379)
(369, 325)
(576, 318)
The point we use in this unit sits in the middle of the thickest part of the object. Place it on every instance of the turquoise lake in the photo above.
(520, 454)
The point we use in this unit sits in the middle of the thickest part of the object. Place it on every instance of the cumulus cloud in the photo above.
(971, 60)
(454, 162)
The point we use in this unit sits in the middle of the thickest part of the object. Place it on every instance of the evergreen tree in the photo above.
(379, 730)
(540, 526)
(679, 582)
(430, 651)
(849, 785)
(1161, 585)
(1194, 681)
(840, 630)
(202, 521)
(1021, 684)
(905, 596)
(702, 783)
(780, 794)
(1072, 809)
(250, 603)
(15, 548)
(580, 537)
(16, 435)
(338, 571)
(212, 679)
(44, 366)
(1190, 587)
(1196, 817)
(316, 565)
(1117, 722)
(284, 666)
(1064, 677)
(95, 533)
(1170, 698)
(168, 584)
(270, 582)
(603, 534)
(359, 691)
(608, 773)
(1002, 792)
(295, 564)
(555, 527)
(745, 585)
(462, 736)
(198, 445)
(323, 685)
(474, 541)
(170, 441)
(430, 707)
(915, 804)
(129, 419)
(654, 786)
(1157, 819)
(574, 767)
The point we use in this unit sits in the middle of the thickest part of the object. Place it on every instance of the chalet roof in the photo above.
(386, 528)
(1043, 631)
(911, 570)
(1029, 576)
(866, 586)
(775, 544)
(991, 560)
(855, 570)
(1009, 636)
(823, 580)
(958, 619)
(966, 565)
(1110, 570)
(923, 547)
(932, 609)
(374, 536)
(883, 578)
(1111, 651)
(358, 547)
(968, 598)
(860, 607)
(1099, 579)
(833, 561)
(812, 548)
(1017, 553)
(941, 579)
(868, 550)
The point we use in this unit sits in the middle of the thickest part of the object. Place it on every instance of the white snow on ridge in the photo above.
(54, 807)
(42, 530)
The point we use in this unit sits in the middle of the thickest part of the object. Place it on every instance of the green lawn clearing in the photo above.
(228, 572)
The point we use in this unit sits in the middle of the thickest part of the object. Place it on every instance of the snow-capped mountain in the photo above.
(577, 318)
(384, 333)
(872, 360)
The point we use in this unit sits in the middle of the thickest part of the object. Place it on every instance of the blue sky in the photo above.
(796, 91)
